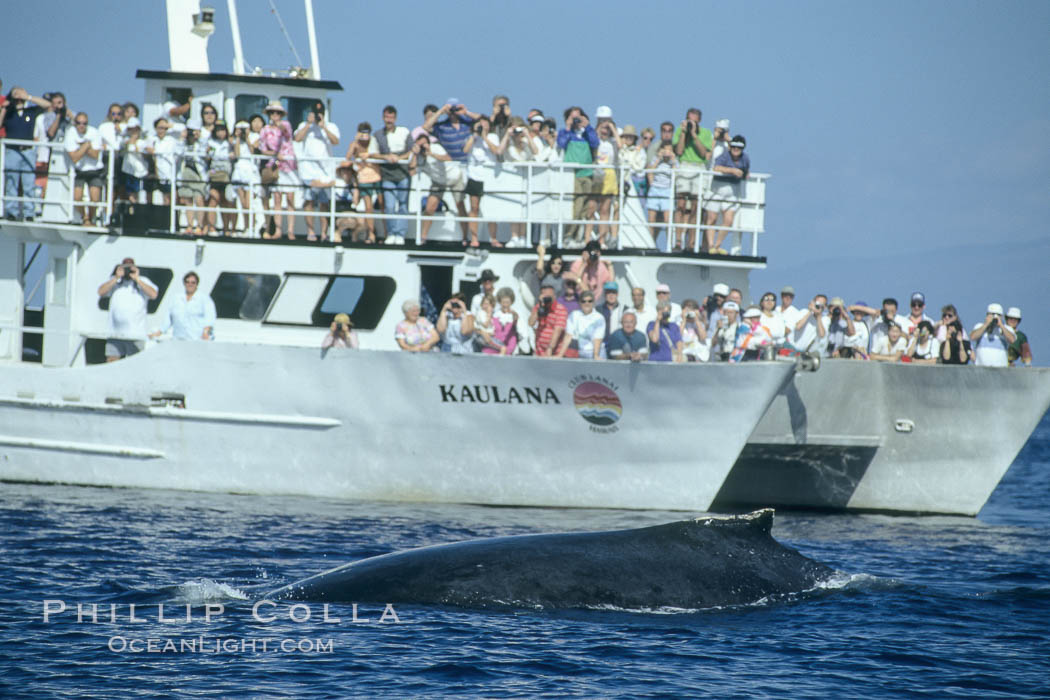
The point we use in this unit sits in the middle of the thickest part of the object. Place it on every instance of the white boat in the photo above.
(260, 411)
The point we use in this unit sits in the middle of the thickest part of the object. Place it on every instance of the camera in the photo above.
(477, 129)
(576, 123)
(836, 312)
(886, 317)
(550, 124)
(665, 316)
(690, 314)
(127, 269)
(519, 130)
(545, 306)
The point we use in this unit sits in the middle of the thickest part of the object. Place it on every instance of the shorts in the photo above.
(191, 184)
(117, 347)
(688, 181)
(155, 185)
(726, 197)
(287, 181)
(658, 199)
(475, 188)
(455, 186)
(91, 178)
(321, 195)
(131, 184)
(606, 184)
(370, 190)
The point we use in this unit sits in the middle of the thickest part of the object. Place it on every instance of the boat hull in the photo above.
(387, 425)
(875, 436)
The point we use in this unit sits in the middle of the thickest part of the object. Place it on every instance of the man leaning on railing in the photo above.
(18, 116)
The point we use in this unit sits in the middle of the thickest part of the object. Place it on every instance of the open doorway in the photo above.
(435, 286)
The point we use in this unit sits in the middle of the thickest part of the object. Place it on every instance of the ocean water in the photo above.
(922, 606)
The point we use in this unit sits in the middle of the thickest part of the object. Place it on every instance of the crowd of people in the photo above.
(578, 314)
(220, 168)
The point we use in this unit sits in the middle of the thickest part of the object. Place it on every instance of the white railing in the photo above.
(536, 194)
(58, 203)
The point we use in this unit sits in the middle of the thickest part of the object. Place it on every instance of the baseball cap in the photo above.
(613, 287)
(995, 309)
(721, 288)
(730, 306)
(239, 125)
(919, 296)
(788, 290)
(536, 118)
(453, 102)
(663, 288)
(738, 142)
(603, 112)
(722, 124)
(418, 132)
(1013, 312)
(751, 312)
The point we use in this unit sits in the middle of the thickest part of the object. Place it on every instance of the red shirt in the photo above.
(3, 131)
(545, 326)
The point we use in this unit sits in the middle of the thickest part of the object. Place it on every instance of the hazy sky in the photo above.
(908, 141)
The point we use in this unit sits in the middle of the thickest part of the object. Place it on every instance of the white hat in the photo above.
(751, 312)
(177, 127)
(721, 288)
(603, 112)
(730, 306)
(995, 309)
(1013, 312)
(241, 125)
(194, 123)
(133, 123)
(722, 124)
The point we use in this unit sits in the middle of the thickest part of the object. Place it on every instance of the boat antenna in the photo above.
(273, 10)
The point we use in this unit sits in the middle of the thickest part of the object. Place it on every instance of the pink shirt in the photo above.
(279, 139)
(594, 276)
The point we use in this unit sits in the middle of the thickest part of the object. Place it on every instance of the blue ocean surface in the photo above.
(922, 607)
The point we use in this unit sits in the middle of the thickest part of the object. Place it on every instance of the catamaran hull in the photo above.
(889, 437)
(386, 425)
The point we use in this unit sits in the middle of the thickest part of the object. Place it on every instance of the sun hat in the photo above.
(276, 107)
(1013, 312)
(342, 318)
(629, 130)
(488, 274)
(995, 309)
(722, 124)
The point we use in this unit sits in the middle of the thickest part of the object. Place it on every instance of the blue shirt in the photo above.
(619, 343)
(19, 125)
(726, 159)
(452, 138)
(670, 336)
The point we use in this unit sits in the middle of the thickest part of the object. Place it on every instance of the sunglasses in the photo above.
(948, 316)
(115, 114)
(917, 305)
(80, 123)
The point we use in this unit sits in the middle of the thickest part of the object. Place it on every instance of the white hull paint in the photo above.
(384, 426)
(889, 437)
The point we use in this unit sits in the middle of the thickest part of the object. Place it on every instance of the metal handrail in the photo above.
(558, 193)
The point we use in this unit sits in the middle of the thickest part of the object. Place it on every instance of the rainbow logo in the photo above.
(597, 403)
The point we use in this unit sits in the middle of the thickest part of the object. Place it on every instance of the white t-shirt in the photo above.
(791, 315)
(587, 330)
(40, 126)
(644, 317)
(134, 162)
(165, 151)
(807, 339)
(859, 339)
(441, 172)
(909, 325)
(481, 160)
(881, 346)
(111, 134)
(73, 142)
(127, 309)
(879, 330)
(522, 154)
(165, 111)
(778, 330)
(315, 148)
(990, 349)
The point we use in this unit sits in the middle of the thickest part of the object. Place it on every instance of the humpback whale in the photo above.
(698, 563)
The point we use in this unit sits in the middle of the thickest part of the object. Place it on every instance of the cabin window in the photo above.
(244, 295)
(298, 108)
(246, 105)
(314, 300)
(161, 279)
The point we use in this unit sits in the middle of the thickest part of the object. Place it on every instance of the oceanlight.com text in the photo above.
(120, 644)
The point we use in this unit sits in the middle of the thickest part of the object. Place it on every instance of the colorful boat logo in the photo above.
(597, 403)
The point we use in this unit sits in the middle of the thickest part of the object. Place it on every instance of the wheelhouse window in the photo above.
(161, 279)
(298, 108)
(247, 105)
(244, 295)
(314, 300)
